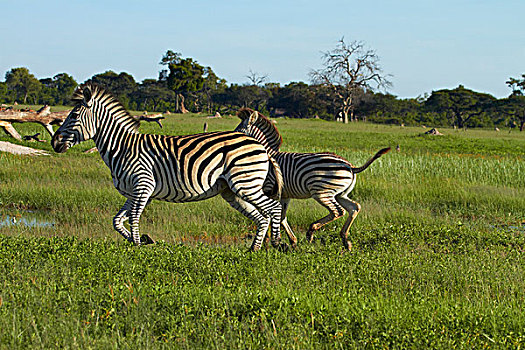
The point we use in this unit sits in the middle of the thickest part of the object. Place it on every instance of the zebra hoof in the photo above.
(145, 239)
(347, 245)
(346, 250)
(310, 236)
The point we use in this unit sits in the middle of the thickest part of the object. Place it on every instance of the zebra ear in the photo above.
(87, 96)
(253, 117)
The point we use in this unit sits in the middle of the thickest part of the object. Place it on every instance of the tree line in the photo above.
(344, 89)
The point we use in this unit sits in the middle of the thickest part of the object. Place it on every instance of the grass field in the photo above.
(438, 256)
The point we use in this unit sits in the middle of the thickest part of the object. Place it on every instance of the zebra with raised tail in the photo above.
(171, 168)
(325, 177)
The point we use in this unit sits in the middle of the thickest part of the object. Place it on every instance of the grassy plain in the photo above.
(438, 256)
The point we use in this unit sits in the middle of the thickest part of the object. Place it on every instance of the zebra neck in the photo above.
(112, 138)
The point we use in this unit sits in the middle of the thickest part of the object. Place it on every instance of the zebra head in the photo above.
(260, 128)
(248, 118)
(80, 124)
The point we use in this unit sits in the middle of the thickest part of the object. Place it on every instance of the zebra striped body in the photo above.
(325, 177)
(318, 172)
(186, 177)
(171, 168)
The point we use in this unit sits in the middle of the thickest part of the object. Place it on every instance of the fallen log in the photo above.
(17, 149)
(43, 116)
(152, 118)
(47, 119)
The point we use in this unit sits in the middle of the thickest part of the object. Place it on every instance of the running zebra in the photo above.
(325, 177)
(171, 168)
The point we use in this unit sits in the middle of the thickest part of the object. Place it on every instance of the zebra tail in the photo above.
(278, 189)
(371, 160)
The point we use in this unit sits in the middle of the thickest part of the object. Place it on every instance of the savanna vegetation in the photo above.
(438, 259)
(349, 86)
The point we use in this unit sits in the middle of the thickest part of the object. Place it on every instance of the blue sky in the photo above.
(424, 45)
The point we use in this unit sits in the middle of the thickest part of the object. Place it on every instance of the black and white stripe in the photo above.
(171, 168)
(325, 177)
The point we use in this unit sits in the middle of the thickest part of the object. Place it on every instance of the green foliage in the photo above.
(65, 85)
(58, 90)
(4, 92)
(23, 84)
(517, 85)
(188, 86)
(186, 76)
(193, 84)
(150, 93)
(212, 86)
(237, 96)
(300, 100)
(460, 103)
(514, 105)
(122, 85)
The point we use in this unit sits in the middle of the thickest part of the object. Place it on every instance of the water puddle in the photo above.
(27, 221)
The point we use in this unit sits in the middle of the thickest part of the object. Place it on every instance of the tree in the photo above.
(65, 85)
(517, 85)
(300, 100)
(151, 90)
(48, 93)
(212, 85)
(256, 78)
(23, 83)
(185, 76)
(348, 70)
(121, 85)
(460, 104)
(4, 92)
(57, 90)
(514, 105)
(388, 109)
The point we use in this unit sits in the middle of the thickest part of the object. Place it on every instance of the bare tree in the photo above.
(255, 78)
(349, 70)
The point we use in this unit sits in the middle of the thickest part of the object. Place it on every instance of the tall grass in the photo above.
(437, 262)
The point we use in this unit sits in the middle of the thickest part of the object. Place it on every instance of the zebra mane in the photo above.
(267, 132)
(110, 102)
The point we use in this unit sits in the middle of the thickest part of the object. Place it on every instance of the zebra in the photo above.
(171, 168)
(325, 177)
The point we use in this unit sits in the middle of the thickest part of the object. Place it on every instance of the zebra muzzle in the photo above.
(58, 143)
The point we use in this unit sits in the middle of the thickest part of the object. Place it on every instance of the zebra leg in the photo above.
(284, 223)
(274, 213)
(336, 211)
(353, 209)
(268, 207)
(120, 218)
(137, 207)
(271, 209)
(251, 213)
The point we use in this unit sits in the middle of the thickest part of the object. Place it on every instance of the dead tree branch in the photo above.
(154, 118)
(43, 116)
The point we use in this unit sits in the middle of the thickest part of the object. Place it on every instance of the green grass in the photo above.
(438, 258)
